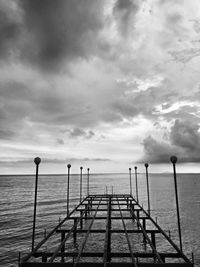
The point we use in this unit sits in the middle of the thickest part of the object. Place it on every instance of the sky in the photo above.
(104, 84)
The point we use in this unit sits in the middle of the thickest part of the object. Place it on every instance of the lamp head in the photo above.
(81, 167)
(146, 165)
(68, 166)
(173, 159)
(37, 160)
(135, 167)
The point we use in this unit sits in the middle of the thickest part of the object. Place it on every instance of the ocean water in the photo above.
(17, 196)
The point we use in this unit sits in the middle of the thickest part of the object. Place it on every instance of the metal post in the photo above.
(81, 168)
(144, 226)
(147, 178)
(81, 219)
(174, 160)
(75, 229)
(63, 247)
(37, 161)
(68, 176)
(88, 181)
(130, 182)
(44, 257)
(136, 182)
(153, 239)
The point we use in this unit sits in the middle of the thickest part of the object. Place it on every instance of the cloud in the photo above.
(89, 160)
(156, 152)
(60, 141)
(50, 34)
(143, 102)
(76, 132)
(6, 134)
(10, 28)
(184, 142)
(60, 30)
(61, 63)
(124, 12)
(186, 135)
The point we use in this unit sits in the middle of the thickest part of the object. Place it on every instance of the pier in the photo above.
(106, 230)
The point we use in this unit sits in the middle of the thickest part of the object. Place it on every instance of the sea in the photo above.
(17, 198)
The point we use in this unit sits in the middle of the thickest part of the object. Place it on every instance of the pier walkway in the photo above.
(107, 230)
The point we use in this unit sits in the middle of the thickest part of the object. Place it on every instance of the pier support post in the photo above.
(63, 247)
(153, 239)
(75, 229)
(37, 161)
(138, 216)
(107, 245)
(174, 160)
(109, 239)
(86, 210)
(44, 257)
(136, 183)
(132, 210)
(144, 226)
(68, 176)
(89, 205)
(81, 219)
(147, 178)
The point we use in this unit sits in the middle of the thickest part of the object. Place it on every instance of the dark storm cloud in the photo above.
(60, 141)
(124, 11)
(6, 134)
(184, 142)
(76, 132)
(143, 102)
(10, 29)
(17, 103)
(60, 29)
(156, 152)
(186, 135)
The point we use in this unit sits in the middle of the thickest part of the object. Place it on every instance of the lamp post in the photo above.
(68, 176)
(174, 160)
(81, 173)
(130, 181)
(147, 178)
(136, 182)
(37, 161)
(88, 181)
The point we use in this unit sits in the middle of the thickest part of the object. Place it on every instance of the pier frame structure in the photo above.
(95, 227)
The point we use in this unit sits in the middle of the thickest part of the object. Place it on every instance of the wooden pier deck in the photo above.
(107, 230)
